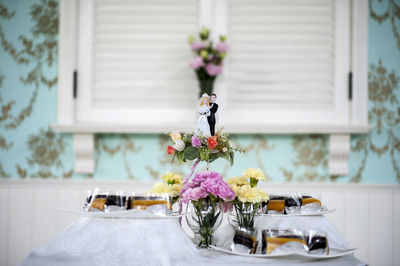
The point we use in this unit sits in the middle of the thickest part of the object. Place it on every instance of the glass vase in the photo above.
(243, 215)
(206, 82)
(204, 218)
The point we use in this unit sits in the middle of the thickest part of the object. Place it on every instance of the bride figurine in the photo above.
(202, 126)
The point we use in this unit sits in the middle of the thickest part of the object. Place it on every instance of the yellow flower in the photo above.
(235, 188)
(257, 174)
(237, 181)
(251, 194)
(175, 136)
(161, 187)
(175, 189)
(172, 178)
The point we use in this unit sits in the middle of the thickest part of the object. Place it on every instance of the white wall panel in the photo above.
(20, 224)
(396, 228)
(67, 199)
(332, 201)
(357, 222)
(380, 220)
(43, 219)
(3, 225)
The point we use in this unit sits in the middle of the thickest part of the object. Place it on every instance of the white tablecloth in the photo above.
(99, 241)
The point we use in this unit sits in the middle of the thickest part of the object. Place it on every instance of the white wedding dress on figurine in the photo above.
(202, 126)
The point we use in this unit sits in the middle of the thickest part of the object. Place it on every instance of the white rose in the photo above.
(224, 149)
(179, 145)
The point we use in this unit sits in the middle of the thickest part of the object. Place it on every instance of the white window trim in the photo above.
(339, 133)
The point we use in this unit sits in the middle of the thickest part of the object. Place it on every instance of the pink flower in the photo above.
(198, 45)
(194, 194)
(206, 183)
(213, 70)
(222, 47)
(196, 62)
(219, 188)
(196, 142)
(200, 177)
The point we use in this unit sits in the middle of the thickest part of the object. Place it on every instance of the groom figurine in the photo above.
(213, 110)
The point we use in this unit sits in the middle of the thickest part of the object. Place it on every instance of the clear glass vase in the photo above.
(243, 215)
(204, 218)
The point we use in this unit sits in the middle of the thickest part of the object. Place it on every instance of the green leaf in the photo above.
(253, 182)
(214, 156)
(180, 156)
(187, 139)
(204, 153)
(191, 153)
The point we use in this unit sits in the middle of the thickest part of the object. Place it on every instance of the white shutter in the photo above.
(135, 61)
(286, 63)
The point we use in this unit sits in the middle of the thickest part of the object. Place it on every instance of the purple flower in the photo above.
(213, 70)
(196, 142)
(196, 62)
(198, 45)
(200, 177)
(206, 183)
(222, 47)
(219, 188)
(194, 194)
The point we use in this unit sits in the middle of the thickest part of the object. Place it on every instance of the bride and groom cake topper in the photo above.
(205, 125)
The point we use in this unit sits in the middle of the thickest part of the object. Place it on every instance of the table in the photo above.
(110, 241)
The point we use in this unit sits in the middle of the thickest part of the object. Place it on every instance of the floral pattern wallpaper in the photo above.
(29, 148)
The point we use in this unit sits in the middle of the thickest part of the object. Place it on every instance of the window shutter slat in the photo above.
(282, 54)
(140, 54)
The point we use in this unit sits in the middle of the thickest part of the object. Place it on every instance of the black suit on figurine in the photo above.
(211, 118)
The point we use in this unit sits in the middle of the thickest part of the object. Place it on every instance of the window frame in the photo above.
(353, 116)
(357, 121)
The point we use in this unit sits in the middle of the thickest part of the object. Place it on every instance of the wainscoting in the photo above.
(367, 215)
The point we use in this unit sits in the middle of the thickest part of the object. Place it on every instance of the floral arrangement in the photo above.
(188, 147)
(248, 197)
(208, 59)
(206, 191)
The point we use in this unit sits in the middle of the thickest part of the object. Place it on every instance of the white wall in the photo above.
(367, 215)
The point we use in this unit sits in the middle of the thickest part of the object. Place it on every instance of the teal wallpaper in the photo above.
(28, 102)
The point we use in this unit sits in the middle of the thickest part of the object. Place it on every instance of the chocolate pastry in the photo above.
(293, 202)
(116, 200)
(318, 242)
(271, 239)
(246, 239)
